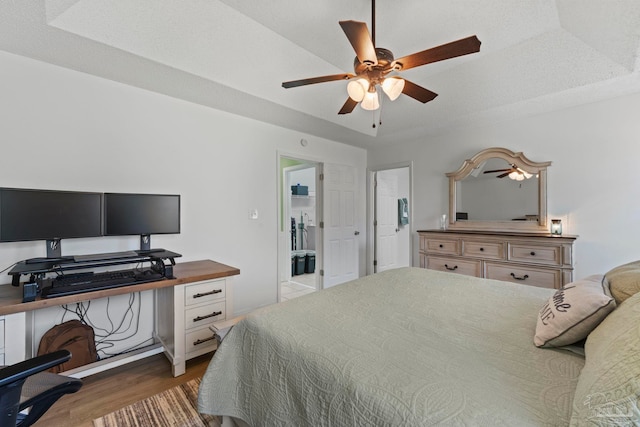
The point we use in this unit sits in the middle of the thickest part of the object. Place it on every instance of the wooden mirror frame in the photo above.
(520, 161)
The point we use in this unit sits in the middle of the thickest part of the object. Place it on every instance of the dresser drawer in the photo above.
(548, 255)
(201, 340)
(201, 315)
(541, 277)
(483, 250)
(443, 246)
(455, 265)
(204, 292)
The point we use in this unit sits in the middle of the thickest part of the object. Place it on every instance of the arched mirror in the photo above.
(499, 190)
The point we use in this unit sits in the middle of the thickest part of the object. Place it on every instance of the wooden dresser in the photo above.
(532, 259)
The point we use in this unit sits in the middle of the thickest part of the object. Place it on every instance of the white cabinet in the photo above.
(184, 316)
(12, 338)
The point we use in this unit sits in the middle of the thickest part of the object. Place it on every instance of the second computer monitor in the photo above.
(141, 214)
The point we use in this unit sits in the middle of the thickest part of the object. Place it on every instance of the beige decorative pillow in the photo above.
(623, 281)
(572, 312)
(608, 390)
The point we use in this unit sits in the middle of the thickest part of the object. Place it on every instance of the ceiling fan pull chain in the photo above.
(380, 116)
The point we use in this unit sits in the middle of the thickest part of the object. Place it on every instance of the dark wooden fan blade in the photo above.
(360, 39)
(440, 53)
(498, 170)
(503, 175)
(348, 106)
(314, 80)
(418, 92)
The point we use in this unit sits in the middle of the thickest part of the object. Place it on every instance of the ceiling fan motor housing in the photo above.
(375, 73)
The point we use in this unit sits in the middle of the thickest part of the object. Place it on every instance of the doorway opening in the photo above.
(390, 206)
(299, 232)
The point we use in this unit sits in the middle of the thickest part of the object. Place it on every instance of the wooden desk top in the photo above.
(186, 272)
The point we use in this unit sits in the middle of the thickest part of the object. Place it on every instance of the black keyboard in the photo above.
(77, 283)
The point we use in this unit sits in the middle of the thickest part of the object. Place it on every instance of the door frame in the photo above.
(371, 191)
(283, 222)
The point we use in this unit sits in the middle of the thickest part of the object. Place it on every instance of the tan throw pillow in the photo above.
(572, 312)
(608, 389)
(623, 281)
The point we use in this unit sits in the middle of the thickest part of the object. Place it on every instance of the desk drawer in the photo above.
(204, 292)
(443, 246)
(483, 249)
(453, 265)
(204, 314)
(549, 255)
(541, 277)
(200, 340)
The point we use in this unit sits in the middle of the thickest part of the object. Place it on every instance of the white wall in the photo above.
(592, 182)
(70, 131)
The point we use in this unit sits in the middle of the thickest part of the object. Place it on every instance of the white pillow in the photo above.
(572, 312)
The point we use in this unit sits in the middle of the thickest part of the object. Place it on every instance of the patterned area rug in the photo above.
(175, 407)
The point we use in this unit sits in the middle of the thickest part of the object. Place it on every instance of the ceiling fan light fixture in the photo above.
(516, 176)
(393, 87)
(370, 101)
(357, 89)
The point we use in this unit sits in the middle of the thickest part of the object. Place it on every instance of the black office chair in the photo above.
(24, 385)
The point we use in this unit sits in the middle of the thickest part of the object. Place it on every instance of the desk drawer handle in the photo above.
(481, 249)
(213, 292)
(455, 267)
(533, 253)
(198, 342)
(214, 314)
(525, 277)
(441, 246)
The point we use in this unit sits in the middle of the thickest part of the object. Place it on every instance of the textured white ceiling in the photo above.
(536, 55)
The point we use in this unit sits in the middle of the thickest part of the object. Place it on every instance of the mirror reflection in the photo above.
(497, 191)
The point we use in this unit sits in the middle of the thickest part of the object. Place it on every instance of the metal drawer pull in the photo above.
(441, 246)
(525, 277)
(214, 314)
(215, 291)
(198, 342)
(455, 267)
(481, 249)
(533, 253)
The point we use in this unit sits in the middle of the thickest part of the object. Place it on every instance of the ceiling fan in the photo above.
(513, 172)
(374, 66)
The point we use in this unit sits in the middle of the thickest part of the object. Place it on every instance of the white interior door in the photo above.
(386, 248)
(340, 233)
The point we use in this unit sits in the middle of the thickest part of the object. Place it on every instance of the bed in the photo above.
(404, 347)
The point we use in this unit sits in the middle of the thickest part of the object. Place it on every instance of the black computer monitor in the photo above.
(29, 214)
(141, 214)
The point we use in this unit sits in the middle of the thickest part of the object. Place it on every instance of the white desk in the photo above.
(180, 337)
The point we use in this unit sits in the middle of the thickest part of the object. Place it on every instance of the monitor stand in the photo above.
(145, 242)
(54, 253)
(54, 249)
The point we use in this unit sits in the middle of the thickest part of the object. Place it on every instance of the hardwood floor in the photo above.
(113, 389)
